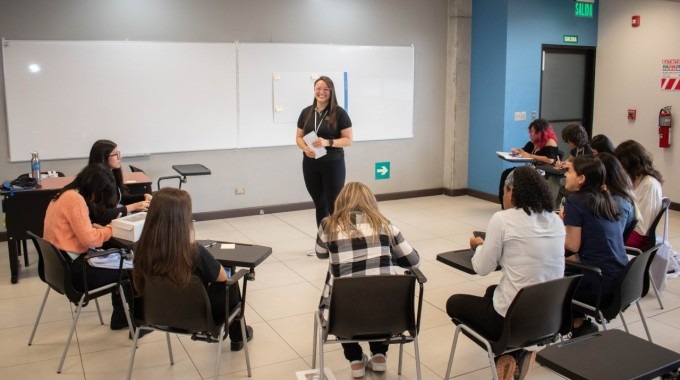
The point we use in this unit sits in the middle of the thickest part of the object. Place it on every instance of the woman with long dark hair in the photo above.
(638, 163)
(107, 152)
(166, 248)
(594, 234)
(324, 176)
(619, 186)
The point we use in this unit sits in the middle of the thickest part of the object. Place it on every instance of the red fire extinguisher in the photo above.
(665, 127)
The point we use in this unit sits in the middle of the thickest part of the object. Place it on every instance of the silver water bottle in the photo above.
(35, 166)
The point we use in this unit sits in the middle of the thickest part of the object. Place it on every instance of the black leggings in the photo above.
(478, 312)
(324, 179)
(216, 296)
(353, 351)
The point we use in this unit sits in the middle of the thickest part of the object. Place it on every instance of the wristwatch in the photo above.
(330, 142)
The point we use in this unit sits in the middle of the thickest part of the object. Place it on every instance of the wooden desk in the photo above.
(611, 354)
(25, 210)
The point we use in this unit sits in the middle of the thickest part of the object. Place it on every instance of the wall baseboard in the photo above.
(224, 214)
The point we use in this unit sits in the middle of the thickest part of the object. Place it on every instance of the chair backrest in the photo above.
(538, 313)
(630, 285)
(665, 203)
(372, 307)
(181, 309)
(53, 267)
(135, 169)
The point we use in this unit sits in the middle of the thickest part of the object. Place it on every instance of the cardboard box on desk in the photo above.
(129, 227)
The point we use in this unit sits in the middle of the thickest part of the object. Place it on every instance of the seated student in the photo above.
(591, 218)
(68, 227)
(358, 240)
(527, 241)
(577, 138)
(619, 186)
(106, 152)
(601, 144)
(166, 248)
(542, 148)
(637, 162)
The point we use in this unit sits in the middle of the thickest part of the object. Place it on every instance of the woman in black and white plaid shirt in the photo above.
(360, 241)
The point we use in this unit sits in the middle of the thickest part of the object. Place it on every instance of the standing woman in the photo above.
(647, 181)
(325, 176)
(107, 152)
(167, 249)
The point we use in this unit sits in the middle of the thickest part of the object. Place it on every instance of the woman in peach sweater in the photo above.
(68, 227)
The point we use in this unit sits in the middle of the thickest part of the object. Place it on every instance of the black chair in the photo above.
(164, 306)
(372, 309)
(629, 230)
(651, 232)
(538, 315)
(628, 290)
(54, 270)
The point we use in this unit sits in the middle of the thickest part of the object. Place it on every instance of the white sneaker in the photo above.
(358, 367)
(378, 363)
(311, 253)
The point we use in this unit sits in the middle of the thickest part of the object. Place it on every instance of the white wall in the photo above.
(271, 176)
(628, 75)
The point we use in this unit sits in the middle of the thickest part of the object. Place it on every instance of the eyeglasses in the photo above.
(117, 154)
(325, 90)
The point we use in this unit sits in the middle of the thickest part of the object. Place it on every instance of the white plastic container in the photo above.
(129, 227)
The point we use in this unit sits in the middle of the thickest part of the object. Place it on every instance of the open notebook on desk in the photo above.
(508, 156)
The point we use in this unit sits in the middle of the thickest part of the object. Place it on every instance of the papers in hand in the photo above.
(309, 140)
(508, 156)
(111, 261)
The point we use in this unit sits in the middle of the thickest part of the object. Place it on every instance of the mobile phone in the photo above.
(479, 234)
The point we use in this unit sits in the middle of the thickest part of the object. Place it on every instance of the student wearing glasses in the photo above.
(324, 176)
(107, 152)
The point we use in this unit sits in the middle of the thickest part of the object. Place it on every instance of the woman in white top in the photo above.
(647, 181)
(527, 241)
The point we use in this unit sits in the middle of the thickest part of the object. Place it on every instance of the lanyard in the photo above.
(316, 126)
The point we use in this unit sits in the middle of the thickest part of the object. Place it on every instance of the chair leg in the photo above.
(245, 345)
(603, 321)
(99, 311)
(314, 342)
(24, 245)
(126, 309)
(644, 322)
(167, 338)
(132, 354)
(219, 350)
(453, 352)
(322, 373)
(415, 346)
(623, 320)
(656, 290)
(70, 334)
(37, 319)
(401, 355)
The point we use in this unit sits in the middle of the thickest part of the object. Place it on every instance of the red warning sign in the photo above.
(670, 74)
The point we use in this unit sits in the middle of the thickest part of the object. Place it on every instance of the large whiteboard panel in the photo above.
(149, 97)
(379, 89)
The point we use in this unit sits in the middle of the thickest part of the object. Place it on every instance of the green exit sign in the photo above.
(570, 39)
(583, 9)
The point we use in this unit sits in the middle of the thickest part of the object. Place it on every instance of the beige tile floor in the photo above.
(280, 305)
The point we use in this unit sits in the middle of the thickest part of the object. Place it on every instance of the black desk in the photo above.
(550, 169)
(460, 259)
(25, 210)
(184, 172)
(611, 354)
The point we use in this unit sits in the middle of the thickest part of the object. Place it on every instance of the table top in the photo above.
(460, 259)
(612, 354)
(550, 169)
(241, 255)
(57, 183)
(508, 156)
(191, 169)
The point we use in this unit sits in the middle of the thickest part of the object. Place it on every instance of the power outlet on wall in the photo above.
(240, 191)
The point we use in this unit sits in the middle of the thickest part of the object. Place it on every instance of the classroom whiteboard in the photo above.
(379, 89)
(162, 97)
(148, 97)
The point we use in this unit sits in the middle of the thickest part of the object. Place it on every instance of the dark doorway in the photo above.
(567, 87)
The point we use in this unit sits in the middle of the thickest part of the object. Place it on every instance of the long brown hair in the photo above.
(333, 102)
(636, 160)
(166, 247)
(355, 197)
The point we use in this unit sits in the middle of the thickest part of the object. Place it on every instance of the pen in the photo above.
(211, 244)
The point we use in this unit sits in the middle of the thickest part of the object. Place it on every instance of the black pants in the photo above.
(216, 296)
(324, 179)
(478, 312)
(353, 351)
(97, 277)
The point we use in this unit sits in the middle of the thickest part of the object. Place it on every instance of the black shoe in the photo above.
(118, 320)
(238, 345)
(587, 327)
